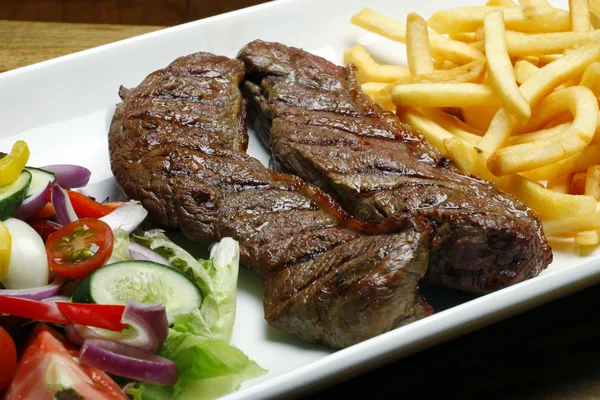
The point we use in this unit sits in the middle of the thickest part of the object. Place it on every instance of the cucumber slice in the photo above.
(13, 194)
(143, 281)
(39, 180)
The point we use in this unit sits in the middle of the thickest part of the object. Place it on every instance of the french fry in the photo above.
(445, 95)
(434, 133)
(547, 203)
(580, 15)
(526, 156)
(369, 70)
(591, 78)
(538, 135)
(479, 117)
(538, 44)
(587, 238)
(441, 48)
(579, 162)
(500, 71)
(444, 64)
(544, 59)
(451, 124)
(466, 37)
(577, 183)
(534, 3)
(417, 45)
(469, 73)
(501, 3)
(560, 183)
(373, 90)
(541, 83)
(592, 182)
(524, 70)
(468, 19)
(594, 7)
(581, 222)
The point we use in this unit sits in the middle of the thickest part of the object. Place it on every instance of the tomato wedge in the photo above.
(79, 248)
(50, 368)
(8, 366)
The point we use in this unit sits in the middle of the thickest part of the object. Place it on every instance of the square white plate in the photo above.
(63, 107)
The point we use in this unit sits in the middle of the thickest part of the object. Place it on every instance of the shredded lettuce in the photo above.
(198, 342)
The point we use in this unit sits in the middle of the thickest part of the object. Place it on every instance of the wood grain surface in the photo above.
(551, 352)
(136, 12)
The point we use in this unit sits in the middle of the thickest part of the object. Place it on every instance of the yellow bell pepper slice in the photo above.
(5, 245)
(13, 163)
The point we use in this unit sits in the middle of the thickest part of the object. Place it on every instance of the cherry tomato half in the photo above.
(8, 366)
(79, 248)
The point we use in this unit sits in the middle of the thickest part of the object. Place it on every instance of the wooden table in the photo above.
(552, 352)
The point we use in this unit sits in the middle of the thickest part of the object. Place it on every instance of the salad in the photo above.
(93, 307)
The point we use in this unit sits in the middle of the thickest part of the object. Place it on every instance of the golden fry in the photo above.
(527, 156)
(434, 133)
(538, 44)
(370, 70)
(541, 83)
(547, 203)
(587, 238)
(560, 183)
(466, 37)
(441, 48)
(592, 182)
(479, 117)
(500, 71)
(445, 95)
(534, 3)
(580, 15)
(468, 73)
(582, 222)
(577, 183)
(468, 19)
(537, 135)
(501, 3)
(579, 162)
(417, 45)
(524, 70)
(591, 78)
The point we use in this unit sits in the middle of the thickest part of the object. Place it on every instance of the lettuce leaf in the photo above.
(208, 369)
(198, 342)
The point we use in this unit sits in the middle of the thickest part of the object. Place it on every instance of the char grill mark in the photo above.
(323, 128)
(324, 282)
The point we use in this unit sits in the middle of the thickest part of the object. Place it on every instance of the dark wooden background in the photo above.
(129, 12)
(549, 353)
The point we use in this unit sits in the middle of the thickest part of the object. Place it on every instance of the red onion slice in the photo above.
(69, 176)
(139, 252)
(38, 293)
(149, 323)
(128, 216)
(73, 335)
(62, 205)
(33, 204)
(119, 359)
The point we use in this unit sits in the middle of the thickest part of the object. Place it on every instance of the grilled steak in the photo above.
(322, 127)
(177, 143)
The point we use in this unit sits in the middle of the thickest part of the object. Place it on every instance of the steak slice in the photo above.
(177, 143)
(323, 128)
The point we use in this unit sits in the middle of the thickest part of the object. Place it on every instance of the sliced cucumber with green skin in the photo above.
(13, 194)
(39, 180)
(143, 281)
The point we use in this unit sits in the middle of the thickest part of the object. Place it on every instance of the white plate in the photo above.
(62, 107)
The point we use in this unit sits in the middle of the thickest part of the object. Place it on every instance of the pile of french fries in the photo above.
(507, 91)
